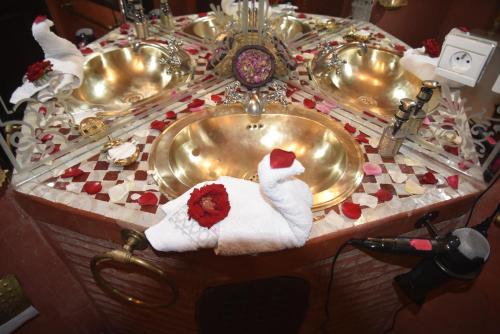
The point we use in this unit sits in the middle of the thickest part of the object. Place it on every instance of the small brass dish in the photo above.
(93, 127)
(120, 162)
(228, 141)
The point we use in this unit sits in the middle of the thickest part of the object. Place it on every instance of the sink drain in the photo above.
(132, 98)
(367, 100)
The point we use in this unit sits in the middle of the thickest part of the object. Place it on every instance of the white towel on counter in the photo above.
(67, 69)
(417, 62)
(272, 216)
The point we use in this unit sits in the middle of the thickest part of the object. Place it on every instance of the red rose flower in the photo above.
(432, 47)
(37, 70)
(209, 205)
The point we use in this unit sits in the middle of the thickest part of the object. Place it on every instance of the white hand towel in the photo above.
(67, 63)
(417, 62)
(290, 196)
(255, 223)
(421, 65)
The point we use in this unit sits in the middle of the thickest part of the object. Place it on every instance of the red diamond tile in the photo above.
(140, 175)
(111, 176)
(101, 165)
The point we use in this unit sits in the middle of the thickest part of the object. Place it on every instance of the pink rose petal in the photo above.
(453, 181)
(372, 169)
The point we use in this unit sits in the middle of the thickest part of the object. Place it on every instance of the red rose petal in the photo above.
(453, 181)
(46, 138)
(170, 115)
(362, 138)
(148, 198)
(196, 104)
(309, 103)
(491, 140)
(86, 51)
(57, 148)
(92, 188)
(349, 128)
(125, 26)
(39, 18)
(158, 125)
(428, 178)
(333, 43)
(351, 210)
(399, 48)
(72, 172)
(383, 195)
(281, 159)
(42, 110)
(299, 58)
(216, 98)
(301, 16)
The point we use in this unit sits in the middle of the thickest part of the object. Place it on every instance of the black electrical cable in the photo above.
(329, 289)
(479, 197)
(394, 316)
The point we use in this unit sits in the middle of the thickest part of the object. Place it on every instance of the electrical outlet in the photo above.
(464, 57)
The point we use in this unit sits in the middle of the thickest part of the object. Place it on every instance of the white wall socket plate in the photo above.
(496, 85)
(464, 57)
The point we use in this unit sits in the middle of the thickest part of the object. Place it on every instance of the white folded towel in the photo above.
(67, 63)
(419, 63)
(273, 216)
(416, 61)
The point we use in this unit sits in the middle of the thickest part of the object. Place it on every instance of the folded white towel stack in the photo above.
(273, 216)
(67, 63)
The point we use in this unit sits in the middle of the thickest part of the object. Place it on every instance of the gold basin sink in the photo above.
(289, 28)
(286, 27)
(228, 141)
(369, 81)
(121, 77)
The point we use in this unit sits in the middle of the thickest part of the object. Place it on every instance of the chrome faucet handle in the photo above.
(232, 94)
(335, 62)
(171, 58)
(277, 93)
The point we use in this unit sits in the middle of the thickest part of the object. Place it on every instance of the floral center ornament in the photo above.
(253, 66)
(209, 204)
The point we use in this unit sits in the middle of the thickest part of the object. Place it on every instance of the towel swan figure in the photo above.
(270, 216)
(67, 63)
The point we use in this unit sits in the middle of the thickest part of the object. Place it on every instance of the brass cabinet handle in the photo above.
(133, 240)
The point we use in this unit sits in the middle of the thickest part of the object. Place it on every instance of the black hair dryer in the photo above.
(460, 255)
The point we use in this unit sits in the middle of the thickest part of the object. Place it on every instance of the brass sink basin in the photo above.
(121, 77)
(289, 28)
(227, 141)
(369, 81)
(286, 27)
(205, 28)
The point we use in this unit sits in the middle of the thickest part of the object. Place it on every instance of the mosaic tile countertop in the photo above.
(401, 176)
